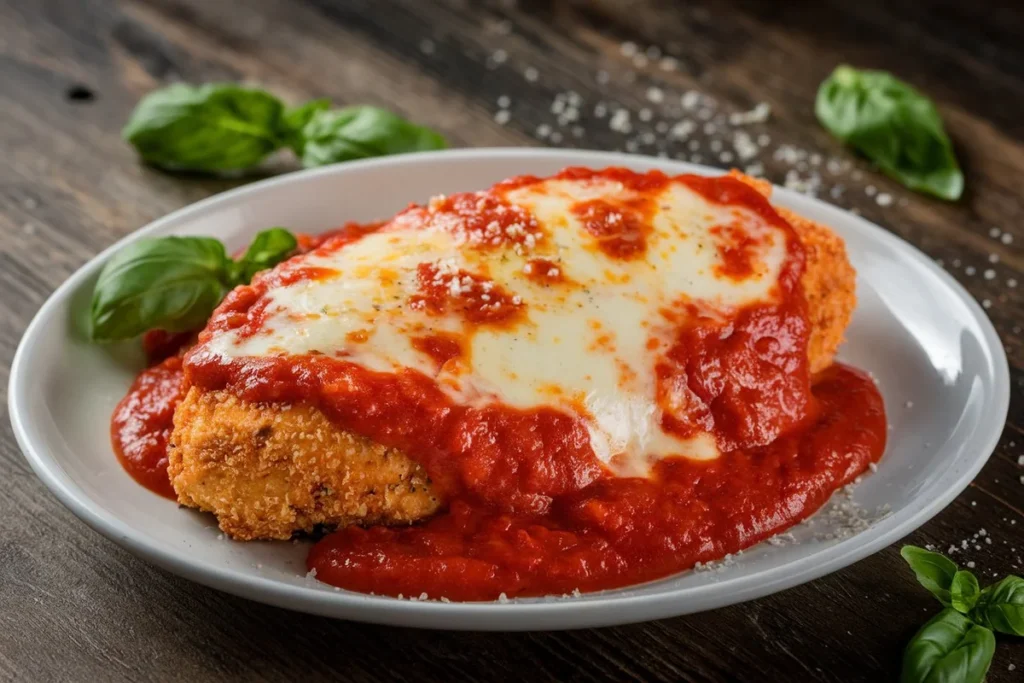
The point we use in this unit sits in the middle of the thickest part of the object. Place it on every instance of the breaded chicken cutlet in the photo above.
(268, 471)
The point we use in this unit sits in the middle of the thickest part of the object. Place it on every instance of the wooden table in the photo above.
(74, 606)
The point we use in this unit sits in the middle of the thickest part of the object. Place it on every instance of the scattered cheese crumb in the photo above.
(758, 114)
(620, 121)
(690, 99)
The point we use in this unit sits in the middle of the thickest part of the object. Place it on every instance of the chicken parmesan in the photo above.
(579, 382)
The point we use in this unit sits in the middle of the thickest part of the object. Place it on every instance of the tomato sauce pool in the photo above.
(530, 509)
(617, 532)
(142, 423)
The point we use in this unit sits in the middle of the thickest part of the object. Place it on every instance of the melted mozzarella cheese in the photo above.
(588, 345)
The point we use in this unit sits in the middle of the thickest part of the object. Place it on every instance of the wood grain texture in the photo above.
(74, 606)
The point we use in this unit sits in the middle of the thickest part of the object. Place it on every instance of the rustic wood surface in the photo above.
(74, 606)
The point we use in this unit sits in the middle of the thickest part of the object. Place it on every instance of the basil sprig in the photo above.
(957, 645)
(1001, 606)
(892, 124)
(296, 120)
(964, 591)
(224, 127)
(950, 648)
(360, 133)
(934, 571)
(206, 128)
(174, 283)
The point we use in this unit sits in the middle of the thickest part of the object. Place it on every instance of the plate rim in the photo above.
(593, 609)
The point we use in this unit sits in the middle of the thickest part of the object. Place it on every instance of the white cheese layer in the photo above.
(591, 342)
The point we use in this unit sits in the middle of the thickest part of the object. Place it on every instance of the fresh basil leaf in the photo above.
(295, 120)
(207, 128)
(169, 283)
(1001, 606)
(934, 571)
(950, 648)
(892, 124)
(964, 591)
(267, 249)
(360, 133)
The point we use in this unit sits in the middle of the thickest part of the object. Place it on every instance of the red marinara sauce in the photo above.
(620, 531)
(143, 422)
(531, 511)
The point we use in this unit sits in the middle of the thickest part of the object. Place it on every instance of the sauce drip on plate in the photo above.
(142, 423)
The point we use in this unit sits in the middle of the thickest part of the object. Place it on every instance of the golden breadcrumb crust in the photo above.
(269, 470)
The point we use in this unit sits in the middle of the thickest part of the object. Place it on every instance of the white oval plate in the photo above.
(936, 357)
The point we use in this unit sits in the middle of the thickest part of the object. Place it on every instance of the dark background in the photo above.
(74, 606)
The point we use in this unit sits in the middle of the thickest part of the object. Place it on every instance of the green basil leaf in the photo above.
(964, 591)
(267, 249)
(950, 648)
(360, 133)
(296, 119)
(168, 283)
(1001, 606)
(934, 571)
(892, 124)
(207, 128)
